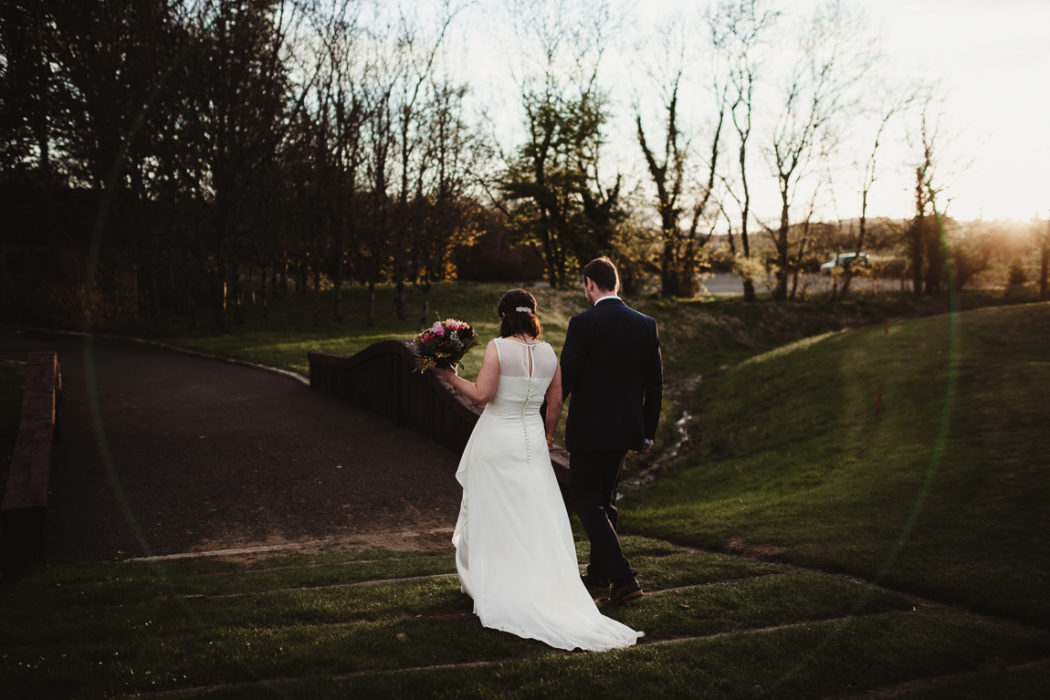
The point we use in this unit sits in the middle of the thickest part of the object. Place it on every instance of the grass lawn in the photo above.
(284, 337)
(699, 338)
(861, 507)
(380, 625)
(941, 486)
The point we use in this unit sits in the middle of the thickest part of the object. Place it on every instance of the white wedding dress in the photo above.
(514, 547)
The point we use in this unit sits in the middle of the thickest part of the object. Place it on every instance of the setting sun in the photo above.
(990, 61)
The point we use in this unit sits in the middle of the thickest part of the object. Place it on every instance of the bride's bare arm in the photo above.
(554, 405)
(482, 390)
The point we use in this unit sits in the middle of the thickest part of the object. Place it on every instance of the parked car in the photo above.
(845, 261)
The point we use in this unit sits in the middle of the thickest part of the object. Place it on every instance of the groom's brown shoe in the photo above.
(597, 586)
(624, 592)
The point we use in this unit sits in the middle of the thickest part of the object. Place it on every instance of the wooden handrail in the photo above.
(26, 495)
(381, 379)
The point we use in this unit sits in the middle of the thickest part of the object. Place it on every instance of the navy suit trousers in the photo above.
(593, 477)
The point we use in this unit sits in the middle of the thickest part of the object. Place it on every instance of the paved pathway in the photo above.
(162, 453)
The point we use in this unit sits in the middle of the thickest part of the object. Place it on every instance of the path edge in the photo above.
(305, 381)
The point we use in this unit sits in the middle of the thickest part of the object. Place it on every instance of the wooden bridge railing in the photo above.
(380, 379)
(25, 496)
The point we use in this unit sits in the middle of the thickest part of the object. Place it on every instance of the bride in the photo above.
(515, 553)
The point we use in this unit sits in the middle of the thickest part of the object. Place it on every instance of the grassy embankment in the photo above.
(940, 493)
(915, 454)
(698, 338)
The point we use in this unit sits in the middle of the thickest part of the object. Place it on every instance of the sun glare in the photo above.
(989, 61)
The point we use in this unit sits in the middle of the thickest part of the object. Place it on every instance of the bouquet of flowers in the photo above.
(443, 344)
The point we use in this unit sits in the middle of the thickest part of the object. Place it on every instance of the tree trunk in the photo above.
(301, 274)
(848, 277)
(218, 300)
(668, 281)
(746, 281)
(317, 294)
(370, 318)
(337, 277)
(191, 302)
(235, 296)
(426, 302)
(745, 209)
(780, 292)
(337, 284)
(687, 280)
(749, 289)
(559, 261)
(917, 233)
(1044, 263)
(267, 282)
(548, 256)
(146, 293)
(671, 264)
(916, 240)
(935, 257)
(399, 296)
(798, 265)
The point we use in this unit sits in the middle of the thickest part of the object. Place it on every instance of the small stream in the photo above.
(666, 456)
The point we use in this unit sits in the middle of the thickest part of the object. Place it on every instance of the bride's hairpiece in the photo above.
(523, 309)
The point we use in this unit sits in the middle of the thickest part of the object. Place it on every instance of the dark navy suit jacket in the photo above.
(612, 375)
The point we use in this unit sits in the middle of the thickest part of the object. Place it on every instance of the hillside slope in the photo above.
(916, 454)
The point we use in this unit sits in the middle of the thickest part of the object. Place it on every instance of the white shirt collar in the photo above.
(611, 296)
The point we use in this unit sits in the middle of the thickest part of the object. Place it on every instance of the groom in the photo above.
(612, 370)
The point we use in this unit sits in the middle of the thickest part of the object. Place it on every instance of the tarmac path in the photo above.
(162, 453)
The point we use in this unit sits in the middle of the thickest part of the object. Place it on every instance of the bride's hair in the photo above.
(517, 312)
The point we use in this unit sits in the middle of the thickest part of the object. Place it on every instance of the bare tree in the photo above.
(831, 61)
(443, 216)
(805, 239)
(681, 248)
(351, 114)
(417, 63)
(970, 253)
(341, 113)
(739, 29)
(553, 179)
(32, 89)
(244, 112)
(373, 252)
(925, 240)
(893, 107)
(89, 84)
(400, 66)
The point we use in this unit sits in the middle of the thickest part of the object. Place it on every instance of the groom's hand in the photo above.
(646, 447)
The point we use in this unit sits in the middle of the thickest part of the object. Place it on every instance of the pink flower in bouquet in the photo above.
(444, 344)
(454, 325)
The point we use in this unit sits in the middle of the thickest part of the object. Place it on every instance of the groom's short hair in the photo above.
(602, 272)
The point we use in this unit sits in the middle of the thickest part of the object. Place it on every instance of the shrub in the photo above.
(1017, 276)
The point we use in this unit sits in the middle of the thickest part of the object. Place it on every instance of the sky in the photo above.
(992, 62)
(987, 61)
